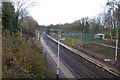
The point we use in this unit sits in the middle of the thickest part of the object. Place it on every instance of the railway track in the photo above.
(83, 68)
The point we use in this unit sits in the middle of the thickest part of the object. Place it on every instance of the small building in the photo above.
(99, 36)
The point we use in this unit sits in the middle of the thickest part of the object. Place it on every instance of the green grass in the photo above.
(71, 41)
(97, 49)
(108, 52)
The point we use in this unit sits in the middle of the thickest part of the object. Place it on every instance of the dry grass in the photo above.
(19, 59)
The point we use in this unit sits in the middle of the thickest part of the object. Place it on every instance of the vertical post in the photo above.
(116, 47)
(58, 63)
(116, 50)
(81, 39)
(73, 39)
(58, 57)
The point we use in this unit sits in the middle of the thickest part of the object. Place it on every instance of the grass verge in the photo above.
(97, 49)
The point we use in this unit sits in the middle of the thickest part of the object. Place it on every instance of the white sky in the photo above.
(65, 11)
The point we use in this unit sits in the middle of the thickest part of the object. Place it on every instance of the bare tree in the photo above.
(21, 7)
(0, 7)
(114, 8)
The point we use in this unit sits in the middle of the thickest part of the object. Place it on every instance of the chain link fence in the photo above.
(90, 44)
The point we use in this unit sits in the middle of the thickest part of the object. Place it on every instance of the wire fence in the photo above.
(82, 36)
(90, 44)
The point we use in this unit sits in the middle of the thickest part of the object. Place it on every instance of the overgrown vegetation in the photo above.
(21, 55)
(20, 59)
(9, 20)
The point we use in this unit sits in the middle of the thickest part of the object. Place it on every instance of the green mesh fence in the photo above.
(82, 36)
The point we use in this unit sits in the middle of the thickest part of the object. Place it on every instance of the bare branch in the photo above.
(22, 5)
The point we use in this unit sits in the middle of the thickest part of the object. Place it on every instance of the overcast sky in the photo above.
(65, 11)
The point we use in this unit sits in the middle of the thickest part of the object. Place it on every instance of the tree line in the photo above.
(16, 18)
(107, 22)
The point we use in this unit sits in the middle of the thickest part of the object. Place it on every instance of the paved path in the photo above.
(63, 68)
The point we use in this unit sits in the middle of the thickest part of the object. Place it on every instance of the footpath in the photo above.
(62, 67)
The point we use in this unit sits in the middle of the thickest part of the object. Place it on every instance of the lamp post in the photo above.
(58, 62)
(58, 57)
